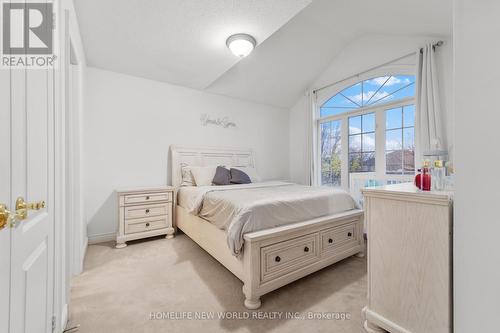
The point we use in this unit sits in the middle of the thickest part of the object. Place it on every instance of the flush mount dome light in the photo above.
(241, 44)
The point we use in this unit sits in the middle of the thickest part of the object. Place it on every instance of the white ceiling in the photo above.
(183, 41)
(176, 41)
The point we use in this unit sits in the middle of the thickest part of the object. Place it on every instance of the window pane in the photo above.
(355, 162)
(355, 143)
(408, 91)
(409, 161)
(362, 146)
(409, 116)
(381, 97)
(398, 82)
(353, 93)
(393, 118)
(331, 153)
(393, 140)
(368, 122)
(355, 125)
(393, 162)
(372, 88)
(409, 138)
(368, 162)
(368, 142)
(339, 101)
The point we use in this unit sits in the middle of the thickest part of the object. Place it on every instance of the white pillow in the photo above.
(204, 175)
(187, 176)
(251, 172)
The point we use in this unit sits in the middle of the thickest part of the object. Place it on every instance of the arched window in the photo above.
(368, 128)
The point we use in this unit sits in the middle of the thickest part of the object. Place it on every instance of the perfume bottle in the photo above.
(423, 178)
(438, 175)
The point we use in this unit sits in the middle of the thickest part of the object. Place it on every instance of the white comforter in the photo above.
(240, 209)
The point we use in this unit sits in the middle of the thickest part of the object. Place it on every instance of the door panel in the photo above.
(35, 283)
(32, 243)
(36, 135)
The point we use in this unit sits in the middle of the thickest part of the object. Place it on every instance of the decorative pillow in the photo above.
(187, 176)
(204, 175)
(222, 176)
(239, 177)
(251, 172)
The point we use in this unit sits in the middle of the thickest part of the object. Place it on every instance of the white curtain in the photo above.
(312, 142)
(429, 117)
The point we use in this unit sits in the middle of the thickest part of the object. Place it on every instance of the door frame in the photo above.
(68, 250)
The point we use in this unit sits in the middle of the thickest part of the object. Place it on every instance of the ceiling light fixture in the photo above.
(241, 44)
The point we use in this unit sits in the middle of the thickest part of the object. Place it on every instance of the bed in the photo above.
(279, 232)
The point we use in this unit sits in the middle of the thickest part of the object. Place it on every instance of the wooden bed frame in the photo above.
(273, 257)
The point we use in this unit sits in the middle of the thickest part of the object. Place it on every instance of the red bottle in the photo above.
(423, 179)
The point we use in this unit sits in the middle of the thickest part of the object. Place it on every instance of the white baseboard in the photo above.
(101, 238)
(84, 248)
(77, 268)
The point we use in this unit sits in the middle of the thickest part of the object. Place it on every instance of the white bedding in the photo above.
(240, 209)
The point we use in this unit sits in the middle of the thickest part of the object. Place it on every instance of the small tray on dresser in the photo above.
(144, 212)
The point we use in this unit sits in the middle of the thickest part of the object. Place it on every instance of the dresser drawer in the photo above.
(145, 198)
(339, 237)
(146, 224)
(284, 257)
(135, 212)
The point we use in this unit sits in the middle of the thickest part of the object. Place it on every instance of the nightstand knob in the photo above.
(147, 211)
(277, 259)
(147, 198)
(147, 224)
(349, 234)
(306, 249)
(330, 240)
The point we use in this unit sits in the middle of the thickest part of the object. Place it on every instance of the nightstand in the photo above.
(144, 212)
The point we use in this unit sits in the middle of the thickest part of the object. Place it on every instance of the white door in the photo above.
(4, 198)
(27, 171)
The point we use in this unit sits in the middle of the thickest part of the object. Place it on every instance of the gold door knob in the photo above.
(8, 218)
(4, 216)
(22, 207)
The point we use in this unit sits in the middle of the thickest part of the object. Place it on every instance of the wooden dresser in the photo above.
(144, 212)
(409, 260)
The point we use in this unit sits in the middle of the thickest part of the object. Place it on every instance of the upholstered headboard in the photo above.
(207, 156)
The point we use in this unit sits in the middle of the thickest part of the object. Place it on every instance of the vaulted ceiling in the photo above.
(183, 41)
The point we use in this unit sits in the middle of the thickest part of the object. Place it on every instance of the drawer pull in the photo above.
(147, 198)
(330, 240)
(306, 249)
(147, 211)
(349, 234)
(277, 259)
(147, 224)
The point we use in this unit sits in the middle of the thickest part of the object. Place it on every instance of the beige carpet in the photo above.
(119, 289)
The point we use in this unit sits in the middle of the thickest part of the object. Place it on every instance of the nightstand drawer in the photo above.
(150, 223)
(147, 197)
(135, 212)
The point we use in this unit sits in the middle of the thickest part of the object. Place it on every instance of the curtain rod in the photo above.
(439, 43)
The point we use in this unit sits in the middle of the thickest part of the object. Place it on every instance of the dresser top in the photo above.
(408, 190)
(150, 189)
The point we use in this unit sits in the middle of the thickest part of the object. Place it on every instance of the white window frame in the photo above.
(380, 131)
